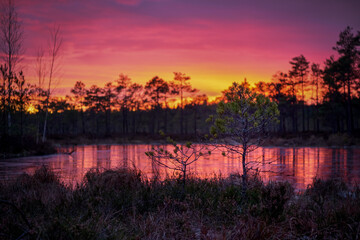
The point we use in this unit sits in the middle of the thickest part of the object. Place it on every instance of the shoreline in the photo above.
(333, 141)
(53, 144)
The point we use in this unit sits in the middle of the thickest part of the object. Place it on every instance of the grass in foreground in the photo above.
(121, 204)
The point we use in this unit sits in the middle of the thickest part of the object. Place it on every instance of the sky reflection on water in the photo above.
(296, 165)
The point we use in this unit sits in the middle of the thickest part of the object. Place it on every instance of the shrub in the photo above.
(121, 204)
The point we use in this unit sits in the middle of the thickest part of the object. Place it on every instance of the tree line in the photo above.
(325, 98)
(125, 107)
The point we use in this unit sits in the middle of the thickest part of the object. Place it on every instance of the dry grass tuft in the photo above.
(121, 204)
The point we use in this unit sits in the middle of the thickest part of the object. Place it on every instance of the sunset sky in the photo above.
(215, 42)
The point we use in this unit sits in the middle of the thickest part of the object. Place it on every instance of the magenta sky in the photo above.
(216, 42)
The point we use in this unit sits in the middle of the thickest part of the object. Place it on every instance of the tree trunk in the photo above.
(45, 125)
(165, 119)
(181, 113)
(184, 180)
(308, 118)
(107, 130)
(125, 121)
(303, 116)
(195, 120)
(82, 122)
(317, 125)
(152, 126)
(244, 175)
(294, 120)
(97, 125)
(21, 123)
(350, 122)
(181, 121)
(186, 125)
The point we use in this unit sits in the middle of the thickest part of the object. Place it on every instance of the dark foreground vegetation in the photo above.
(122, 204)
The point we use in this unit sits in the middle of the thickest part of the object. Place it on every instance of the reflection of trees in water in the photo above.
(335, 171)
(286, 163)
(343, 165)
(103, 156)
(305, 165)
(294, 154)
(280, 155)
(79, 158)
(349, 165)
(317, 152)
(125, 156)
(297, 165)
(155, 169)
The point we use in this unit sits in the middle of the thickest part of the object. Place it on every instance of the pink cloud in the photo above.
(145, 37)
(129, 2)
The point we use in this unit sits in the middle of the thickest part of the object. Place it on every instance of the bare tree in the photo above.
(11, 38)
(40, 94)
(55, 45)
(40, 67)
(3, 71)
(178, 157)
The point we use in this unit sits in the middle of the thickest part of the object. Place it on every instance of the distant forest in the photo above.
(312, 98)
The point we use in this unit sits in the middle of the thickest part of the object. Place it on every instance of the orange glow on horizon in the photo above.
(31, 109)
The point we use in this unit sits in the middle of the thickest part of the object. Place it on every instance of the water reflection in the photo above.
(297, 165)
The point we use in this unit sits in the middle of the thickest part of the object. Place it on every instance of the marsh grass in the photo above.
(123, 204)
